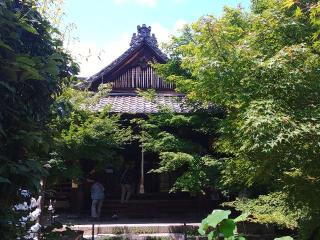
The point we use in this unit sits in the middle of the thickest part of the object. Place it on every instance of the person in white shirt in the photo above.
(97, 196)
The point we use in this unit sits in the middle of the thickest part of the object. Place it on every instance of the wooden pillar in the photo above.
(77, 197)
(141, 187)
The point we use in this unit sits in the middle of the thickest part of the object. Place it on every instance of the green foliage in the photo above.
(182, 144)
(56, 232)
(199, 172)
(33, 68)
(263, 68)
(149, 94)
(217, 225)
(269, 209)
(52, 10)
(81, 133)
(34, 121)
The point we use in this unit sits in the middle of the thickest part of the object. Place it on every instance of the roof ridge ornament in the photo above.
(144, 34)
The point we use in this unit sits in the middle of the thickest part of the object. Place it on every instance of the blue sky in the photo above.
(105, 26)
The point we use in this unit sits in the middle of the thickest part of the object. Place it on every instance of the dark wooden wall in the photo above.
(137, 77)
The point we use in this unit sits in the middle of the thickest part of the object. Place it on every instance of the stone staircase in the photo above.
(149, 219)
(174, 231)
(162, 231)
(194, 209)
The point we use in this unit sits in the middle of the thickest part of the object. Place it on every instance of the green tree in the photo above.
(33, 69)
(78, 132)
(182, 142)
(263, 67)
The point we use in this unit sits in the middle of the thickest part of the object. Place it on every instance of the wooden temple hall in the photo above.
(150, 195)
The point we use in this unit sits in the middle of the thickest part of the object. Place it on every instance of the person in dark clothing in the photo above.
(127, 181)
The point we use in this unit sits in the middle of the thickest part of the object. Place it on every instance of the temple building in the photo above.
(131, 71)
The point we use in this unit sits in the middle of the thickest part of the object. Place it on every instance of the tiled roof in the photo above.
(138, 104)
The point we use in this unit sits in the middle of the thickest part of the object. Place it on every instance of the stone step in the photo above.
(157, 204)
(156, 208)
(157, 236)
(136, 229)
(155, 232)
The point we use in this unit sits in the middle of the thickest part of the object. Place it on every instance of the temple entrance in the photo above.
(155, 185)
(132, 155)
(153, 201)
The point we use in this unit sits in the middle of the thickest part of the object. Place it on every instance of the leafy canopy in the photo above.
(182, 141)
(80, 133)
(263, 68)
(34, 68)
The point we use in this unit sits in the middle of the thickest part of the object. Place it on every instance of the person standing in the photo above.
(97, 196)
(127, 181)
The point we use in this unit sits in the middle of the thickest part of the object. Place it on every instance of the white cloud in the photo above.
(179, 24)
(148, 3)
(93, 58)
(162, 33)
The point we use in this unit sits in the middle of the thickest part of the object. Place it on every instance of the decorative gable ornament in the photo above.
(144, 34)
